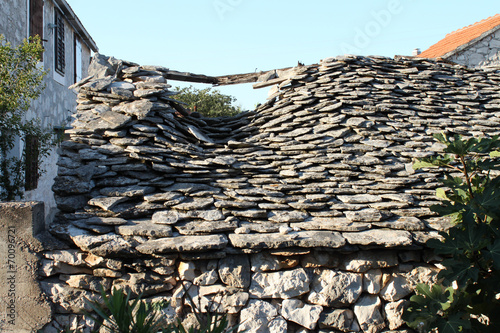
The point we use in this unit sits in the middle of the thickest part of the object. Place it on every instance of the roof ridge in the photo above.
(471, 25)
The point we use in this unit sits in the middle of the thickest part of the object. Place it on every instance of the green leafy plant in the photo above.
(21, 82)
(466, 300)
(208, 102)
(118, 313)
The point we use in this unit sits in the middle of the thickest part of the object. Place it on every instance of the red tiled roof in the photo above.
(460, 37)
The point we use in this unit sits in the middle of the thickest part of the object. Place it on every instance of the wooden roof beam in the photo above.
(264, 78)
(250, 77)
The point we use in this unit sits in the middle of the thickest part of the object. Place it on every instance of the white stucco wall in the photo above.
(484, 53)
(57, 103)
(13, 20)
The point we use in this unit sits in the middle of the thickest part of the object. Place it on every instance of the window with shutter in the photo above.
(31, 167)
(60, 61)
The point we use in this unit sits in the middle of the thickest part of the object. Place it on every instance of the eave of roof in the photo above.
(77, 25)
(461, 39)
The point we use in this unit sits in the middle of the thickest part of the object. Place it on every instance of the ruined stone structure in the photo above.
(304, 215)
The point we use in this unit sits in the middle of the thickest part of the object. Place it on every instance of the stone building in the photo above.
(68, 47)
(476, 45)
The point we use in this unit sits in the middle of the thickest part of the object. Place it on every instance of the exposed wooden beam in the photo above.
(265, 78)
(247, 77)
(189, 77)
(269, 82)
(238, 78)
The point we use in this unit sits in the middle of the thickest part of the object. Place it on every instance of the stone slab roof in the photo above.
(326, 162)
(462, 38)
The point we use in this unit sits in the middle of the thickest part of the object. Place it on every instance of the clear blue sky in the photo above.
(219, 37)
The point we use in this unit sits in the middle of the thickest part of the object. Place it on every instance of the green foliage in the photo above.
(466, 300)
(21, 82)
(208, 102)
(119, 314)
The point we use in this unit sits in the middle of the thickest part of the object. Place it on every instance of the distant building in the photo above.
(68, 48)
(476, 45)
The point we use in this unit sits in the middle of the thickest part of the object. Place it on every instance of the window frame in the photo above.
(77, 59)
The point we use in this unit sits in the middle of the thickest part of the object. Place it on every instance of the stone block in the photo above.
(396, 288)
(394, 313)
(183, 243)
(301, 313)
(367, 311)
(372, 281)
(261, 316)
(307, 239)
(186, 271)
(263, 261)
(234, 271)
(340, 319)
(220, 299)
(333, 288)
(381, 237)
(281, 284)
(365, 260)
(319, 258)
(495, 42)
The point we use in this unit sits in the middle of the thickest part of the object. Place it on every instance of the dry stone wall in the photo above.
(304, 215)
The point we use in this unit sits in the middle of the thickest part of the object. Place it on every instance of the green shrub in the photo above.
(21, 82)
(467, 298)
(121, 315)
(208, 102)
(117, 313)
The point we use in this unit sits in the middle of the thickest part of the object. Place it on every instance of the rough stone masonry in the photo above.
(304, 215)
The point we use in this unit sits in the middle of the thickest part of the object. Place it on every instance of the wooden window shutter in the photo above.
(31, 171)
(60, 60)
(36, 18)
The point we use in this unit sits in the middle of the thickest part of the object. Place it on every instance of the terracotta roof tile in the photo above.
(460, 37)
